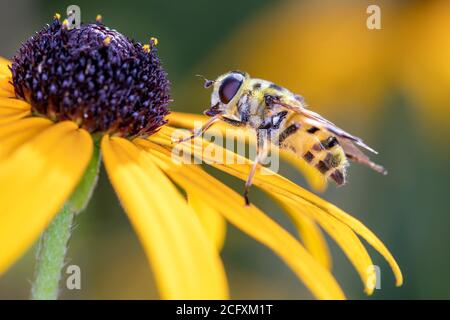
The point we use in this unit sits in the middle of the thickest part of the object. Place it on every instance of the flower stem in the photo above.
(52, 245)
(50, 255)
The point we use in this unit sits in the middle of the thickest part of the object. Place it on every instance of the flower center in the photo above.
(93, 76)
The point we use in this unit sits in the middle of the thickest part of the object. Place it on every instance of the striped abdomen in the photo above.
(319, 149)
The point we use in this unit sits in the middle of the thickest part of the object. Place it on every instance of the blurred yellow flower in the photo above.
(424, 63)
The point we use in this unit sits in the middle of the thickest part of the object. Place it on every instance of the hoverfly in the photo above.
(281, 117)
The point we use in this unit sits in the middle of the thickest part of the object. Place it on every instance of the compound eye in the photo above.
(229, 87)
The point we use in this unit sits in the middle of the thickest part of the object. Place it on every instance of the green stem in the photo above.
(50, 255)
(52, 246)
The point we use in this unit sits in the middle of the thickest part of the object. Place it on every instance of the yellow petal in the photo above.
(278, 185)
(212, 221)
(16, 104)
(11, 115)
(185, 263)
(35, 181)
(13, 109)
(4, 67)
(314, 178)
(250, 220)
(311, 236)
(6, 93)
(14, 134)
(6, 88)
(342, 234)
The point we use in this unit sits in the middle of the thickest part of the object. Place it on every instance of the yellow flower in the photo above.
(47, 140)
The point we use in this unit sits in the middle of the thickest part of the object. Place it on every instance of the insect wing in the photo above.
(314, 119)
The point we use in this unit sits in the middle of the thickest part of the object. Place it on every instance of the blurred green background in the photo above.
(390, 86)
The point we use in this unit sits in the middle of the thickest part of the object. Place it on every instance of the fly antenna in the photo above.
(208, 83)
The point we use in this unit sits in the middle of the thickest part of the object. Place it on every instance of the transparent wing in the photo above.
(314, 119)
(353, 153)
(347, 141)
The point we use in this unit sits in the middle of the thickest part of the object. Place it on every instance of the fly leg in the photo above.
(233, 122)
(262, 148)
(206, 126)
